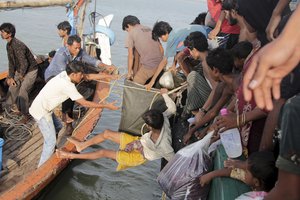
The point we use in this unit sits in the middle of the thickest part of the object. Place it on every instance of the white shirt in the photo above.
(56, 91)
(162, 148)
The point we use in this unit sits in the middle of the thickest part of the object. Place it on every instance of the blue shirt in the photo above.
(63, 57)
(176, 37)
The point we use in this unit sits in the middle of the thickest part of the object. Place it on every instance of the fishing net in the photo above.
(136, 101)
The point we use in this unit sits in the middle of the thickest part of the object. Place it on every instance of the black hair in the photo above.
(159, 29)
(75, 67)
(241, 50)
(129, 20)
(196, 40)
(200, 19)
(72, 39)
(154, 118)
(8, 28)
(220, 59)
(262, 166)
(65, 26)
(230, 5)
(51, 54)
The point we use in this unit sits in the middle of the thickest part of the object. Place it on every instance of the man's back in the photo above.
(140, 38)
(56, 91)
(177, 36)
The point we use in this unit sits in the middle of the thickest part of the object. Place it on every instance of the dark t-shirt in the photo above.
(257, 13)
(290, 85)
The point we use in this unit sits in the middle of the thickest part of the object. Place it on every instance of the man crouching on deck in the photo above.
(56, 91)
(133, 150)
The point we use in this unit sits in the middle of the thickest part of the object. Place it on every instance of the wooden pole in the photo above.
(32, 3)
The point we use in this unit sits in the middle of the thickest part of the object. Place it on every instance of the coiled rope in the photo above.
(15, 130)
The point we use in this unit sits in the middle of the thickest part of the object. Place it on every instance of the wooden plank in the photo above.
(17, 146)
(14, 145)
(26, 164)
(24, 154)
(33, 3)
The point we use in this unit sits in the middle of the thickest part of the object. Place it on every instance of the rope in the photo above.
(130, 87)
(143, 89)
(110, 89)
(15, 130)
(170, 92)
(163, 196)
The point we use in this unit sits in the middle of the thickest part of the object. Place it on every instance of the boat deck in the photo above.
(21, 157)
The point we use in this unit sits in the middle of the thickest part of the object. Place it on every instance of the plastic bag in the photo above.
(179, 179)
(166, 80)
(253, 195)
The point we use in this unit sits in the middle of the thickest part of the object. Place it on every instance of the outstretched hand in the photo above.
(205, 179)
(224, 123)
(164, 91)
(110, 68)
(268, 67)
(112, 106)
(149, 85)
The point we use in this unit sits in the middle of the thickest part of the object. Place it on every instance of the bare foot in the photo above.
(63, 154)
(77, 144)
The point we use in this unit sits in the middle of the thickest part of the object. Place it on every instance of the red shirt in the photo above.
(215, 9)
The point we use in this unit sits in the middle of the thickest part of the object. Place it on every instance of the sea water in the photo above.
(98, 179)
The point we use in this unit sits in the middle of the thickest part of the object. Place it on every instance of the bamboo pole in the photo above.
(80, 22)
(32, 3)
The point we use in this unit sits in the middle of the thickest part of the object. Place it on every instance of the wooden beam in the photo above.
(32, 3)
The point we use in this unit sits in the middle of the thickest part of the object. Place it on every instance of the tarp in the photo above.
(135, 103)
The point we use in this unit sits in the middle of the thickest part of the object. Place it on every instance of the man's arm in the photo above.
(171, 106)
(266, 143)
(210, 115)
(91, 104)
(22, 59)
(206, 178)
(230, 120)
(181, 56)
(217, 28)
(100, 76)
(275, 19)
(160, 67)
(130, 63)
(95, 62)
(206, 72)
(11, 67)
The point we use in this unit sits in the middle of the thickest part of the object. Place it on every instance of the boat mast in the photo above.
(32, 3)
(80, 4)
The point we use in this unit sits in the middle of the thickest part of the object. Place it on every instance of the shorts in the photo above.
(143, 74)
(289, 155)
(128, 159)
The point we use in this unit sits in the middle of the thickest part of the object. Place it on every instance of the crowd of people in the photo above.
(253, 73)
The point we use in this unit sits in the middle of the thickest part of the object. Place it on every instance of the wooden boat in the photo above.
(20, 177)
